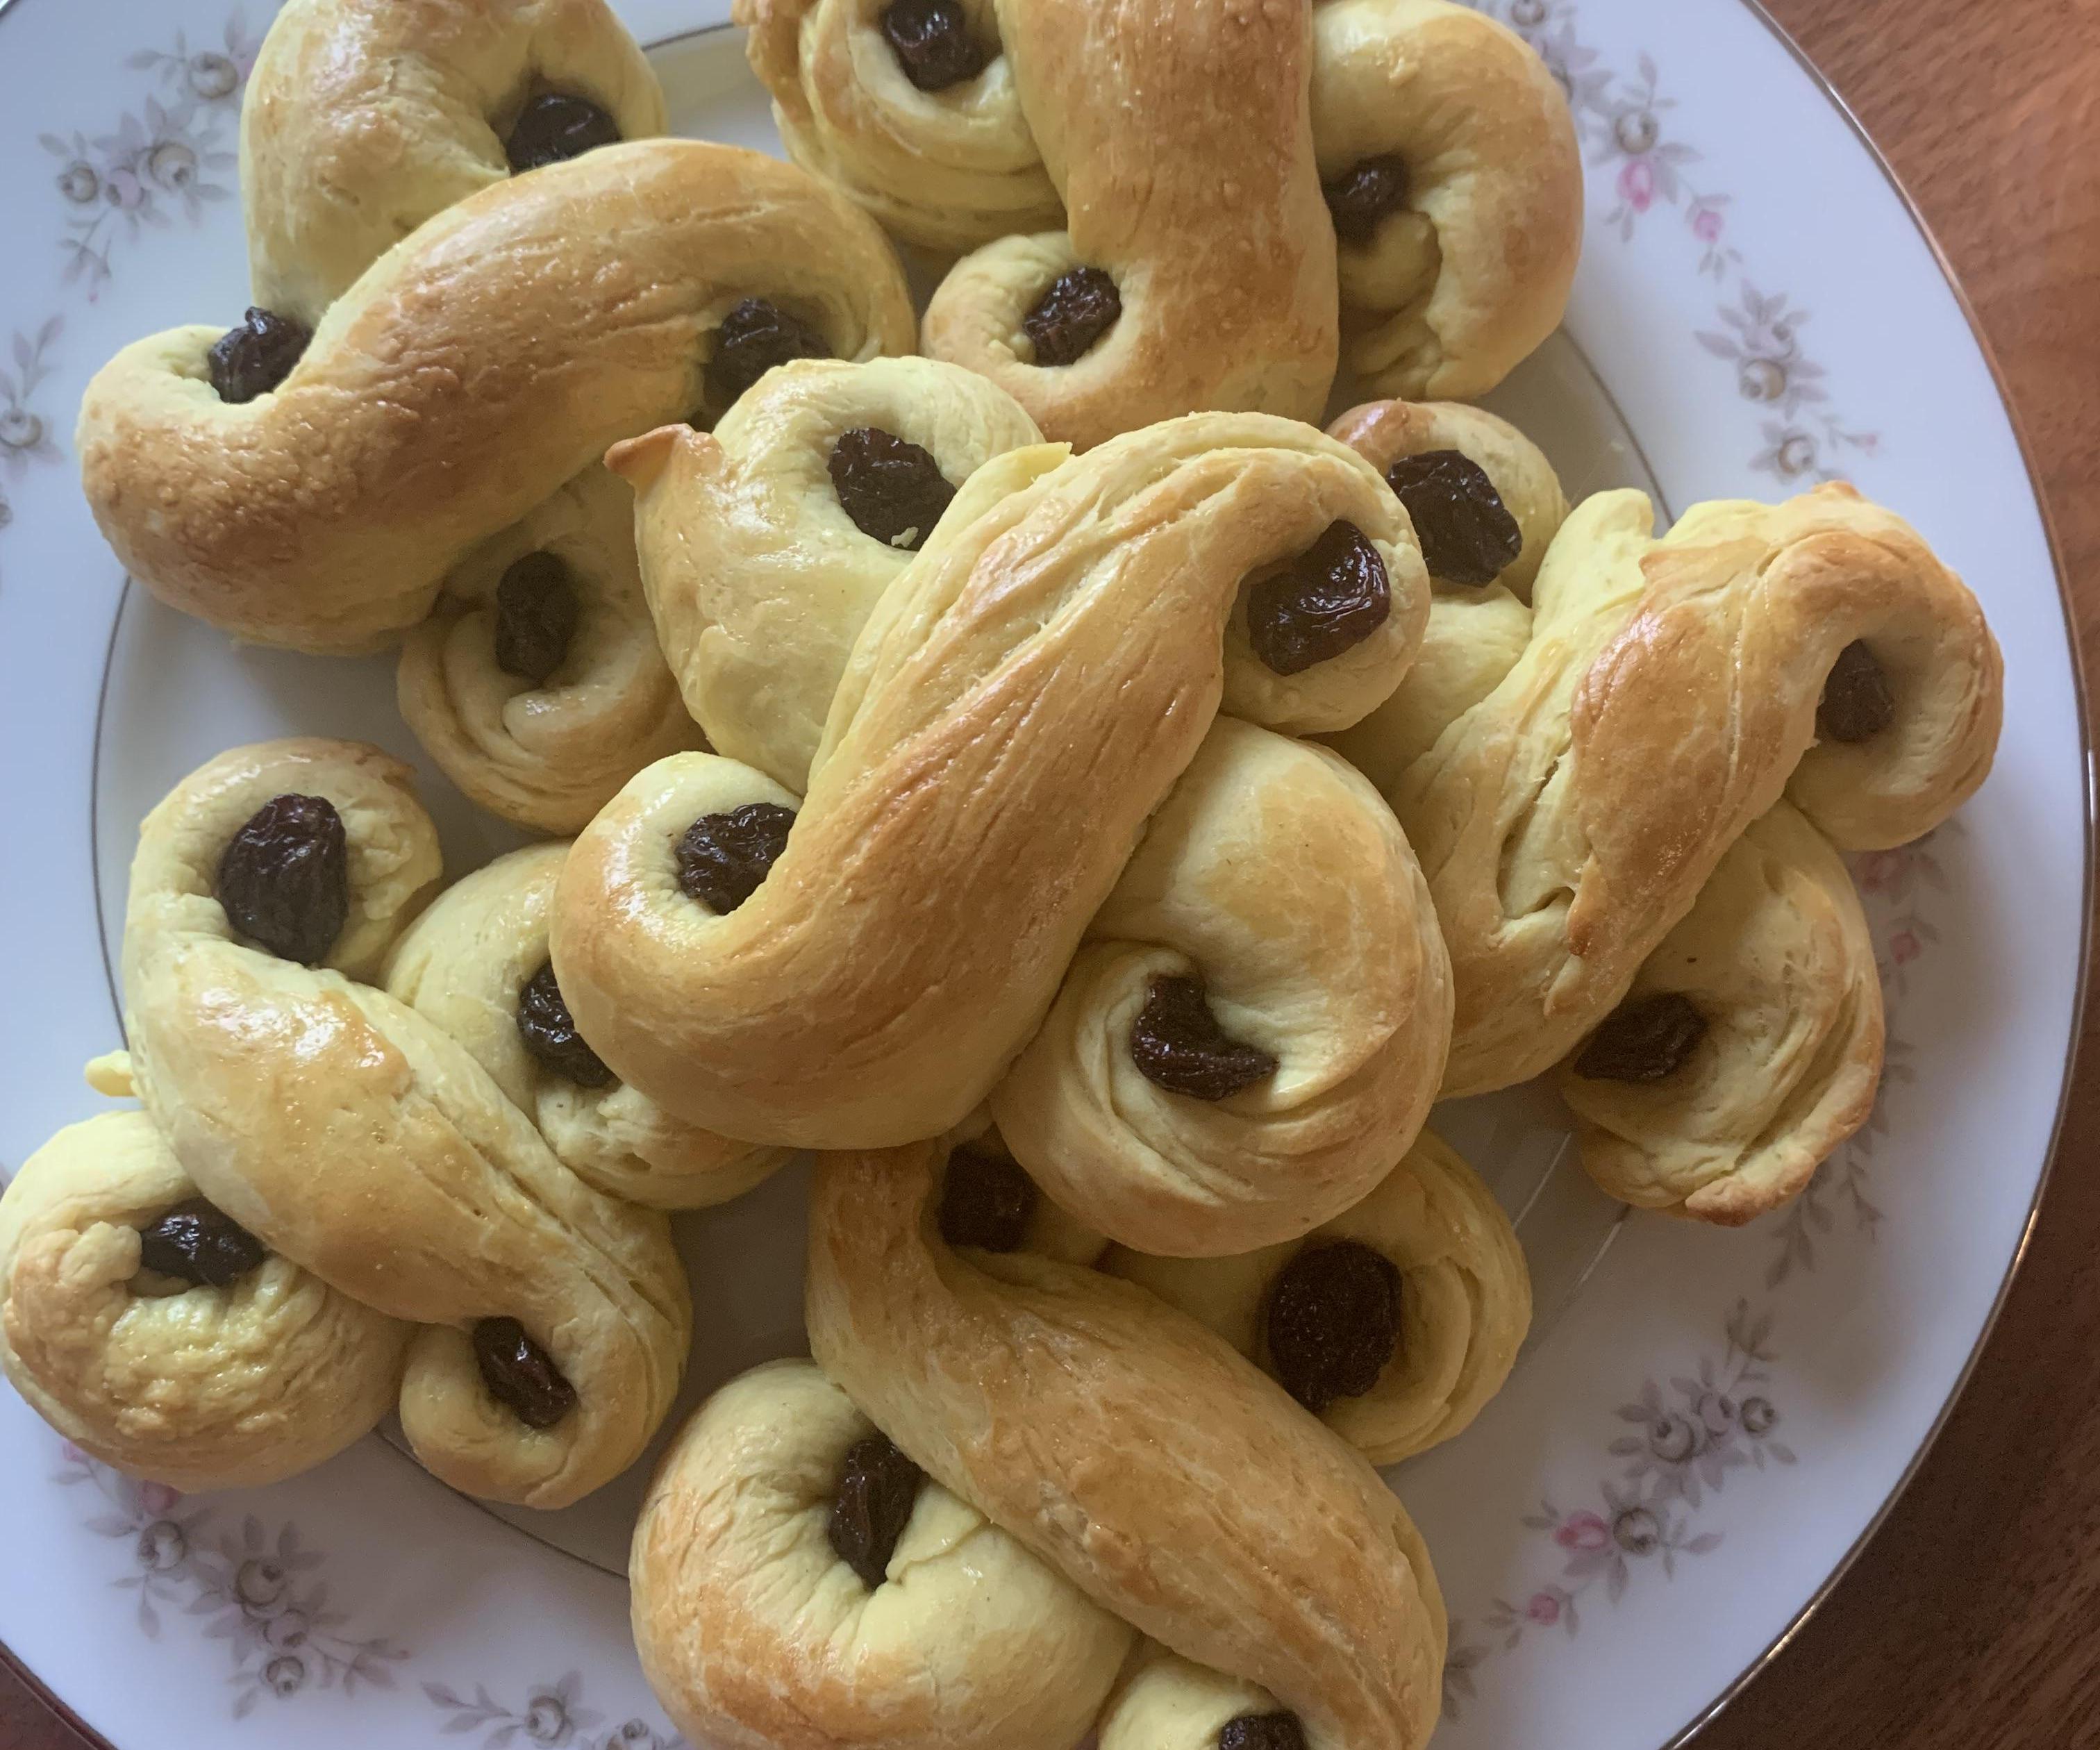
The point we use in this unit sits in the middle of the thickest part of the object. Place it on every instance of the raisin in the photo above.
(555, 126)
(200, 1242)
(753, 337)
(723, 857)
(1857, 704)
(933, 43)
(1332, 598)
(1262, 1731)
(1468, 537)
(284, 879)
(893, 491)
(549, 1033)
(1362, 195)
(1643, 1041)
(536, 617)
(1333, 1322)
(252, 360)
(875, 1494)
(985, 1200)
(520, 1375)
(1177, 1044)
(1081, 306)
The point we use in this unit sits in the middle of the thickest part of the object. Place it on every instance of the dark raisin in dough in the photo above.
(1333, 1322)
(1262, 1731)
(1320, 605)
(1361, 196)
(893, 489)
(284, 879)
(1081, 306)
(536, 614)
(933, 43)
(1857, 704)
(554, 125)
(520, 1375)
(1177, 1044)
(985, 1200)
(200, 1242)
(1468, 537)
(549, 1033)
(1647, 1041)
(253, 359)
(723, 857)
(753, 337)
(876, 1492)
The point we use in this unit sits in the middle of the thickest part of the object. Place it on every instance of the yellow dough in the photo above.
(758, 1635)
(480, 338)
(1669, 695)
(1133, 1450)
(1465, 1299)
(385, 1171)
(1182, 149)
(1276, 872)
(1776, 956)
(1475, 632)
(464, 964)
(191, 1384)
(758, 579)
(1024, 696)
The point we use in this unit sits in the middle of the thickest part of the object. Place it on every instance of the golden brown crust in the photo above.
(355, 1139)
(1180, 136)
(1465, 1300)
(1022, 699)
(1447, 300)
(1475, 633)
(464, 964)
(946, 170)
(186, 1384)
(1132, 1450)
(1186, 144)
(463, 380)
(1669, 694)
(758, 579)
(547, 755)
(1776, 957)
(756, 1634)
(363, 118)
(1275, 874)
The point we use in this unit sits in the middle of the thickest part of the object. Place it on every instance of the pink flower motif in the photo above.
(1904, 947)
(1637, 184)
(1583, 1531)
(1706, 224)
(1544, 1609)
(1879, 872)
(158, 1498)
(123, 189)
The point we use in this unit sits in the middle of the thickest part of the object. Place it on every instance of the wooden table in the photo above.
(1974, 1619)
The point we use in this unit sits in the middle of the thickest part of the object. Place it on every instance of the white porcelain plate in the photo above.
(1705, 1424)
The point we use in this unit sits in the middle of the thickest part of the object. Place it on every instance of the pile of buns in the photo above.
(1012, 751)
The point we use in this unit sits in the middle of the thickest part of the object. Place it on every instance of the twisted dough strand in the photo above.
(363, 118)
(357, 1139)
(1019, 702)
(1775, 957)
(463, 965)
(1151, 119)
(1669, 694)
(197, 1386)
(462, 381)
(1133, 1450)
(1276, 873)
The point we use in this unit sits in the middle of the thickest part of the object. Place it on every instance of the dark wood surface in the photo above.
(1973, 1621)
